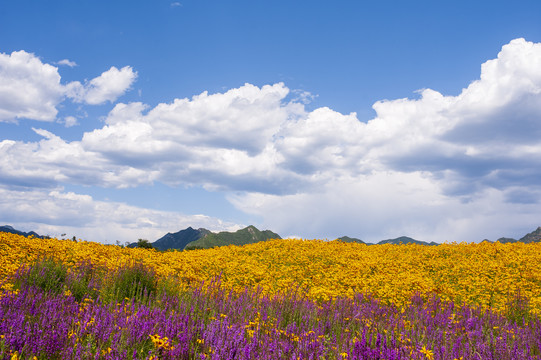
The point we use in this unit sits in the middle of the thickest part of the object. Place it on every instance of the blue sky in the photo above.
(124, 120)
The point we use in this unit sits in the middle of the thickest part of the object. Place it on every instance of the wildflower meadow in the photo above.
(278, 299)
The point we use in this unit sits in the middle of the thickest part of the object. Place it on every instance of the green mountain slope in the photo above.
(248, 235)
(505, 240)
(406, 240)
(534, 236)
(179, 240)
(350, 239)
(11, 230)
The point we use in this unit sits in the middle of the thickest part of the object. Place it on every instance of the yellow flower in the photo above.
(160, 342)
(429, 354)
(485, 275)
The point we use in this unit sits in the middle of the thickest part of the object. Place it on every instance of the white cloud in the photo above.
(250, 139)
(28, 88)
(421, 167)
(323, 141)
(56, 212)
(67, 62)
(486, 136)
(70, 121)
(302, 96)
(219, 140)
(110, 85)
(389, 204)
(53, 161)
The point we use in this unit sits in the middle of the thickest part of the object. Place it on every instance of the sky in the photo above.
(122, 120)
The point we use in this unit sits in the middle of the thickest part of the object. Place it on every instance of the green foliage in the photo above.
(48, 274)
(248, 235)
(194, 247)
(518, 309)
(144, 244)
(169, 286)
(83, 280)
(53, 276)
(133, 281)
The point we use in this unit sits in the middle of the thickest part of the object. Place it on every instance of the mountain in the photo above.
(349, 240)
(405, 240)
(179, 240)
(248, 235)
(505, 240)
(11, 230)
(534, 236)
(204, 239)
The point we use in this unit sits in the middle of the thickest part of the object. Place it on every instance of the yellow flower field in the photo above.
(477, 274)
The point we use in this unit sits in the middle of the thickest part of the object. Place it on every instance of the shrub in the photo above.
(144, 244)
(83, 281)
(133, 281)
(194, 247)
(518, 309)
(47, 274)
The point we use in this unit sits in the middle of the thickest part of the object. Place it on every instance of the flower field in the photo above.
(280, 299)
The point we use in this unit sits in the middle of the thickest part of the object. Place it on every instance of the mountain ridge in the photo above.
(11, 230)
(248, 235)
(178, 240)
(406, 240)
(202, 238)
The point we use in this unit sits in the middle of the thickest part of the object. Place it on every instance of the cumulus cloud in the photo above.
(67, 62)
(221, 140)
(251, 139)
(56, 212)
(28, 88)
(110, 85)
(53, 161)
(486, 136)
(429, 165)
(31, 89)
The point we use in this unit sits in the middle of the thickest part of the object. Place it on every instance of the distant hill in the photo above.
(406, 240)
(350, 240)
(190, 238)
(534, 236)
(11, 230)
(178, 240)
(248, 235)
(204, 239)
(506, 240)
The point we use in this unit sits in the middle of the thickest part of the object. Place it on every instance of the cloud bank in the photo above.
(434, 167)
(59, 212)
